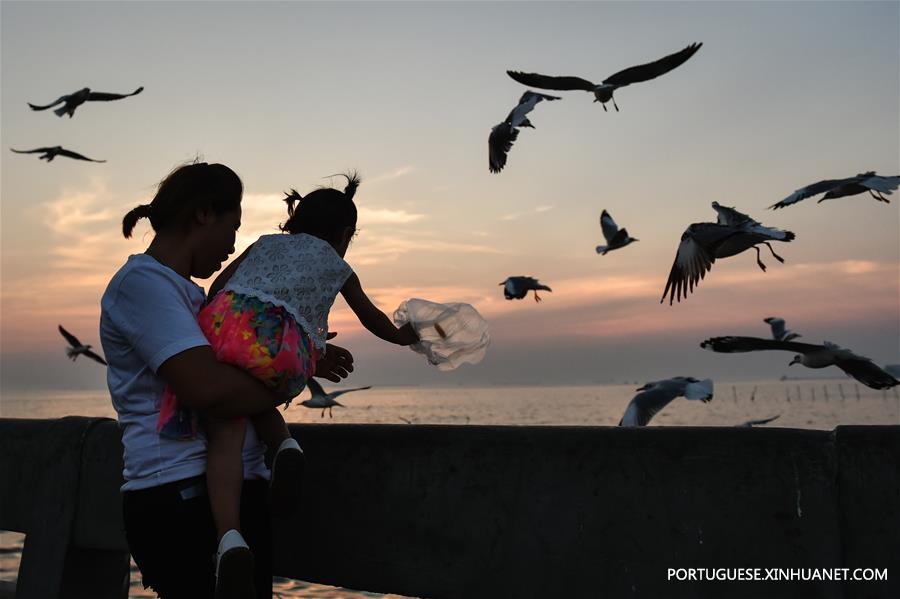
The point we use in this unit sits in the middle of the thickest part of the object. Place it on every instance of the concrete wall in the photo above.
(474, 511)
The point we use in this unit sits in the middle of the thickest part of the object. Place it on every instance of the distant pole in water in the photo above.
(841, 390)
(813, 389)
(734, 393)
(787, 394)
(799, 395)
(753, 394)
(825, 389)
(857, 392)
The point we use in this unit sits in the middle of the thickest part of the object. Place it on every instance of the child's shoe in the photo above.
(234, 568)
(287, 478)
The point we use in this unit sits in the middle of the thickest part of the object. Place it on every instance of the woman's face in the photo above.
(213, 241)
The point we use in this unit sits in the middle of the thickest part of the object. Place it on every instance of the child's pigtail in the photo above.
(352, 184)
(290, 199)
(131, 219)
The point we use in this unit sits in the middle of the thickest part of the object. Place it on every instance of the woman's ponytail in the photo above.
(131, 219)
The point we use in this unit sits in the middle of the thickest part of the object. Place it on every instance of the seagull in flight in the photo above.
(779, 333)
(876, 185)
(751, 423)
(326, 401)
(654, 396)
(72, 101)
(503, 135)
(50, 153)
(615, 237)
(518, 287)
(77, 348)
(812, 356)
(702, 243)
(603, 92)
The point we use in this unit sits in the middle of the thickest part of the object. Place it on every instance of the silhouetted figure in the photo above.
(50, 153)
(876, 185)
(615, 237)
(702, 243)
(657, 395)
(603, 92)
(811, 356)
(320, 399)
(77, 348)
(503, 135)
(76, 99)
(518, 287)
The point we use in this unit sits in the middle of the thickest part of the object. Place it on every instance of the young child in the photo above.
(269, 315)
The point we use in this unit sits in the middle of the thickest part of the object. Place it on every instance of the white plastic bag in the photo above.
(449, 334)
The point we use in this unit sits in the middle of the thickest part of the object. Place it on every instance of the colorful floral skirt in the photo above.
(255, 335)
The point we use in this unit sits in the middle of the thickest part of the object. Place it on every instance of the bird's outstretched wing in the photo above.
(72, 339)
(500, 143)
(106, 97)
(777, 325)
(867, 372)
(808, 192)
(77, 156)
(550, 82)
(654, 69)
(645, 405)
(46, 106)
(885, 185)
(335, 394)
(315, 388)
(693, 260)
(620, 237)
(95, 357)
(735, 344)
(750, 423)
(609, 226)
(727, 215)
(35, 151)
(526, 104)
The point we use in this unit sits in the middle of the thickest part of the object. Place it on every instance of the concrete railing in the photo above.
(485, 511)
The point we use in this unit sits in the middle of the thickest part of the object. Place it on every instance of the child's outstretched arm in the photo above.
(374, 319)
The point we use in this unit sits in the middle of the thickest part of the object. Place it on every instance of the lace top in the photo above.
(299, 272)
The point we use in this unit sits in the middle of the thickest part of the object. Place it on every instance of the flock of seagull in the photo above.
(701, 244)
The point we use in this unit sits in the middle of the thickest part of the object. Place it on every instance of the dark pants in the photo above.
(172, 537)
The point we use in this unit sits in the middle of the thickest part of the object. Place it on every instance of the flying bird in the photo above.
(751, 423)
(812, 356)
(603, 92)
(615, 237)
(75, 99)
(49, 153)
(518, 287)
(654, 396)
(326, 401)
(876, 185)
(702, 243)
(779, 332)
(503, 135)
(77, 348)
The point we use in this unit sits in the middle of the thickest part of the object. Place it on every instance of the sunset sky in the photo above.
(781, 94)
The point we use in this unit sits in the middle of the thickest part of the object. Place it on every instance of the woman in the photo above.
(150, 336)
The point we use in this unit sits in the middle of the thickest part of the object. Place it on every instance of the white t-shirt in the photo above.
(301, 273)
(149, 314)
